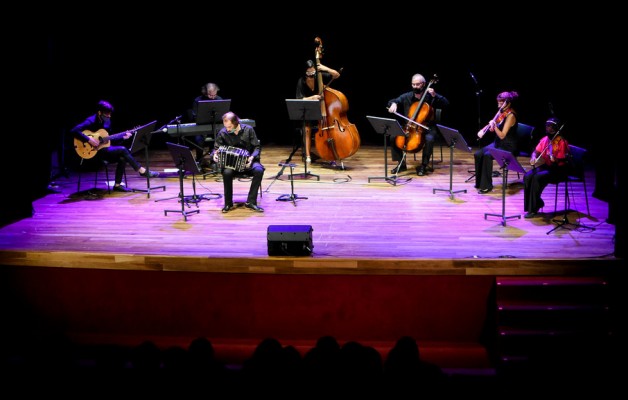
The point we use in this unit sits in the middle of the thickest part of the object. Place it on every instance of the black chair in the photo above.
(525, 142)
(99, 164)
(576, 164)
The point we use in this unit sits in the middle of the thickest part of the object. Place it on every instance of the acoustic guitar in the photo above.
(86, 150)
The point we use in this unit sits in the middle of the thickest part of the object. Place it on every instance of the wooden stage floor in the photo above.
(362, 223)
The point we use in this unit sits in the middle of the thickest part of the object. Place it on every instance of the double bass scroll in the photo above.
(336, 138)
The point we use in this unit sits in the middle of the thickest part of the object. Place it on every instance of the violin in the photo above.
(501, 114)
(550, 148)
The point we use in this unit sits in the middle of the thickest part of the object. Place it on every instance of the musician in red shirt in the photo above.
(549, 159)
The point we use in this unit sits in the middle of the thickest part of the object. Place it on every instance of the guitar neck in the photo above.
(113, 137)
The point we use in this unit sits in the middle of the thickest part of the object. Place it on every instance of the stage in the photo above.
(360, 221)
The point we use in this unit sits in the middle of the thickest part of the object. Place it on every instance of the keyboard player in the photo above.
(209, 91)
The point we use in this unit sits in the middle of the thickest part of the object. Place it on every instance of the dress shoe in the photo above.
(398, 169)
(120, 188)
(530, 215)
(420, 170)
(152, 174)
(227, 208)
(254, 207)
(484, 191)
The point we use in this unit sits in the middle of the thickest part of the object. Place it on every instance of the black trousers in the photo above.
(228, 175)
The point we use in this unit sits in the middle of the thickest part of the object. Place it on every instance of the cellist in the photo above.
(307, 89)
(405, 101)
(549, 160)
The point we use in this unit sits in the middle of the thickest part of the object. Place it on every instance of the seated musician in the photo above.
(504, 122)
(209, 91)
(95, 130)
(241, 136)
(551, 153)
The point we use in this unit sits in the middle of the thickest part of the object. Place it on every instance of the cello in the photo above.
(419, 114)
(336, 138)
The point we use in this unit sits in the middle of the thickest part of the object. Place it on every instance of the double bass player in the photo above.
(406, 101)
(307, 89)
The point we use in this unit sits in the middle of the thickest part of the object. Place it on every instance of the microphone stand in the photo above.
(478, 93)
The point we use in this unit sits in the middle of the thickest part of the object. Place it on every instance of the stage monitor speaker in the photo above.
(290, 240)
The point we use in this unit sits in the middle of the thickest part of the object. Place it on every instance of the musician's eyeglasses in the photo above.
(310, 74)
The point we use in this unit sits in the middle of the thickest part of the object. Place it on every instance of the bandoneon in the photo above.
(233, 158)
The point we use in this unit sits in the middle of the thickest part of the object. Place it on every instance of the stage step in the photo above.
(557, 321)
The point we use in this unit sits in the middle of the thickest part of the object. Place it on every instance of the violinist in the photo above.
(307, 89)
(549, 159)
(405, 101)
(504, 125)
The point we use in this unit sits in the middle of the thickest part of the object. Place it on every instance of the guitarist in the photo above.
(549, 160)
(89, 132)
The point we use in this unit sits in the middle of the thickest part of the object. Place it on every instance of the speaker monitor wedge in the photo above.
(290, 240)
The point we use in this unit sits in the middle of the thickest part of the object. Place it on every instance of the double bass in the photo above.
(420, 113)
(336, 138)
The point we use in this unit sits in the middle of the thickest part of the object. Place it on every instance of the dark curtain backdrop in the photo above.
(153, 67)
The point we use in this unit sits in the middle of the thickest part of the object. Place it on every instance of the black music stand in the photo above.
(210, 112)
(290, 197)
(184, 160)
(507, 161)
(303, 110)
(564, 221)
(141, 140)
(388, 127)
(453, 138)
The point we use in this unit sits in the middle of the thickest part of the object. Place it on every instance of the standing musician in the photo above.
(551, 152)
(307, 89)
(114, 153)
(242, 136)
(406, 100)
(504, 124)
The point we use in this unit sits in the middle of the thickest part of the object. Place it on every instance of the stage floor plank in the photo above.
(362, 223)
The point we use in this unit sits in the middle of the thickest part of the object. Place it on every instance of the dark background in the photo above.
(152, 66)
